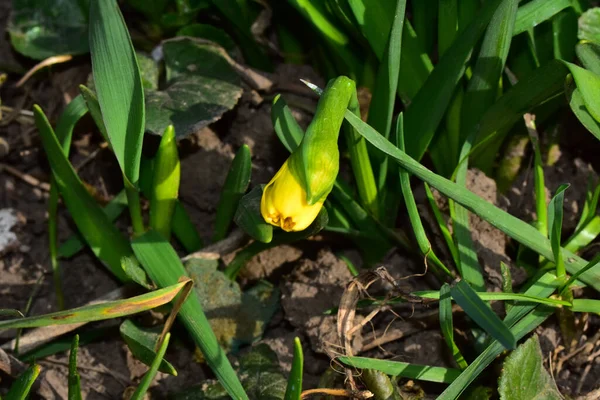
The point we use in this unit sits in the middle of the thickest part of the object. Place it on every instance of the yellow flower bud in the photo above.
(284, 204)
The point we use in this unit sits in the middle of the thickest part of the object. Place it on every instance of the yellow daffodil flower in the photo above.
(284, 204)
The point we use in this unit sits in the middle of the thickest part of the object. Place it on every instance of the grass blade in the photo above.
(482, 314)
(442, 224)
(555, 219)
(142, 342)
(21, 387)
(382, 104)
(413, 212)
(537, 11)
(141, 390)
(164, 267)
(100, 311)
(107, 243)
(447, 326)
(512, 226)
(429, 105)
(236, 184)
(74, 379)
(402, 369)
(294, 385)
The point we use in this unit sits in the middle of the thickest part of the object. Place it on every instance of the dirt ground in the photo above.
(310, 274)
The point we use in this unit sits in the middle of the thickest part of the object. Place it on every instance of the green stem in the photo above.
(135, 210)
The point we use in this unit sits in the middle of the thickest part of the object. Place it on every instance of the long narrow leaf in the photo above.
(118, 84)
(512, 226)
(20, 389)
(537, 11)
(482, 314)
(102, 236)
(403, 369)
(142, 388)
(447, 327)
(74, 379)
(100, 311)
(294, 385)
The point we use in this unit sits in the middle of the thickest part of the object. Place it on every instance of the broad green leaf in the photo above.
(164, 267)
(405, 370)
(524, 376)
(512, 226)
(165, 185)
(588, 84)
(249, 218)
(118, 85)
(74, 378)
(236, 184)
(447, 24)
(142, 343)
(589, 25)
(101, 235)
(375, 19)
(141, 390)
(429, 105)
(564, 34)
(94, 107)
(425, 13)
(294, 384)
(535, 12)
(580, 110)
(482, 314)
(201, 85)
(589, 54)
(40, 29)
(100, 311)
(21, 387)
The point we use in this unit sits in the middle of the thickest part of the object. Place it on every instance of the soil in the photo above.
(309, 274)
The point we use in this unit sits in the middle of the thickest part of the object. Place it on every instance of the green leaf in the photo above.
(249, 218)
(555, 219)
(165, 186)
(142, 342)
(381, 109)
(482, 314)
(588, 84)
(286, 127)
(512, 226)
(589, 54)
(149, 376)
(429, 105)
(107, 243)
(118, 85)
(535, 12)
(74, 378)
(21, 387)
(99, 311)
(294, 384)
(200, 87)
(524, 376)
(580, 110)
(40, 29)
(164, 267)
(447, 326)
(586, 306)
(236, 184)
(589, 25)
(522, 319)
(405, 370)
